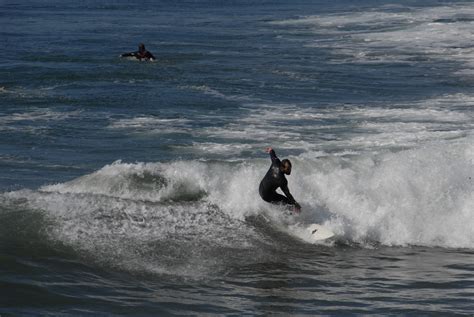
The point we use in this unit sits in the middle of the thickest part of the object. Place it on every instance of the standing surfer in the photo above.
(275, 178)
(141, 54)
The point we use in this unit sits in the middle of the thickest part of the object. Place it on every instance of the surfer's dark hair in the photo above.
(286, 162)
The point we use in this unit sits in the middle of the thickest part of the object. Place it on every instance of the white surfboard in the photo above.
(318, 232)
(312, 233)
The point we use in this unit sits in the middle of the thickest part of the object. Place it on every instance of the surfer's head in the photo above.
(285, 166)
(141, 47)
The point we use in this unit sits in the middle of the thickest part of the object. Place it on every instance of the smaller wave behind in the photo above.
(438, 32)
(333, 129)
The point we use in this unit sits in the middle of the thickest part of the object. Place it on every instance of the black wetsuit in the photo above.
(273, 179)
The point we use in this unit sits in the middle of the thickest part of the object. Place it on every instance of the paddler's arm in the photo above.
(150, 56)
(128, 54)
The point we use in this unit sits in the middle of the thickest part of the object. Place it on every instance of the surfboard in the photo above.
(318, 232)
(312, 233)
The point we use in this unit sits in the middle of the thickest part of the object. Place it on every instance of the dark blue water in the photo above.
(130, 188)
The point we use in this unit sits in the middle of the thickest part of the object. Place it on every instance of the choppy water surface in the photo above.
(130, 188)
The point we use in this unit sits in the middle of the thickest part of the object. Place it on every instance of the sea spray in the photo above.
(421, 196)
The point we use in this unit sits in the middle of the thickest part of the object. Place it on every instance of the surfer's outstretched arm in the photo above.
(273, 156)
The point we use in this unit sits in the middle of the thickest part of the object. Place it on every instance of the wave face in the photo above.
(192, 212)
(420, 196)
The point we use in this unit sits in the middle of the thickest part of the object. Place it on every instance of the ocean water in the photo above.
(131, 188)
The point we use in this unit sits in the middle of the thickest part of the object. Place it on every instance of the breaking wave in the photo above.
(144, 216)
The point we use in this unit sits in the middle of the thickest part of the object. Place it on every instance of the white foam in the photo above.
(423, 196)
(151, 125)
(143, 217)
(215, 93)
(304, 128)
(336, 129)
(142, 181)
(220, 148)
(173, 218)
(338, 21)
(38, 114)
(382, 35)
(35, 120)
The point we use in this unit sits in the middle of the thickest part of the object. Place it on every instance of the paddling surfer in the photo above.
(274, 179)
(141, 54)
